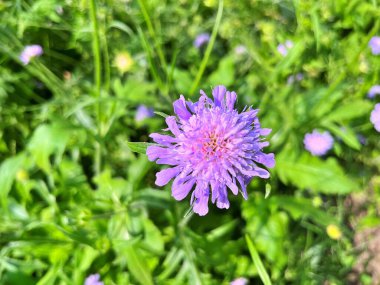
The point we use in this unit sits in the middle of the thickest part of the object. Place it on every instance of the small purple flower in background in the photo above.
(30, 52)
(374, 44)
(375, 117)
(213, 148)
(292, 78)
(375, 90)
(143, 112)
(317, 143)
(239, 281)
(240, 50)
(93, 279)
(284, 48)
(201, 39)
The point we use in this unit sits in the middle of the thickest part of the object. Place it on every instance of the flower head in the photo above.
(143, 112)
(123, 62)
(292, 78)
(375, 117)
(333, 232)
(201, 39)
(375, 90)
(284, 48)
(30, 52)
(374, 44)
(214, 148)
(317, 143)
(239, 281)
(93, 279)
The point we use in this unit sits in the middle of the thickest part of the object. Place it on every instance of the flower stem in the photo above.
(209, 48)
(97, 80)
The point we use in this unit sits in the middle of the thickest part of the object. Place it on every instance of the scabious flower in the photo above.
(143, 112)
(375, 117)
(317, 143)
(239, 281)
(375, 90)
(213, 148)
(284, 48)
(93, 279)
(30, 52)
(201, 39)
(374, 44)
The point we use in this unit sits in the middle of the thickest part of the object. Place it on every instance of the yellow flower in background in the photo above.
(210, 3)
(333, 232)
(22, 175)
(123, 61)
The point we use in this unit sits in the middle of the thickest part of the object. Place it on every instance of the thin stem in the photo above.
(97, 79)
(152, 33)
(209, 48)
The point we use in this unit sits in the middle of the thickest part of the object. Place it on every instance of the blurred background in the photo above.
(81, 79)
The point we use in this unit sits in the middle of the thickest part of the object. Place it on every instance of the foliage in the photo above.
(77, 192)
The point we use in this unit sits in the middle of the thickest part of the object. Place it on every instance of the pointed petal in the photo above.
(218, 92)
(181, 189)
(164, 176)
(180, 108)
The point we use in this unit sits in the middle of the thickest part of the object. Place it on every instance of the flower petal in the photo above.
(180, 108)
(218, 92)
(164, 176)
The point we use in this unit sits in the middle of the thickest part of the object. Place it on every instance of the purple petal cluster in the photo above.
(93, 279)
(213, 148)
(375, 117)
(375, 90)
(30, 52)
(284, 48)
(317, 143)
(201, 39)
(143, 112)
(374, 44)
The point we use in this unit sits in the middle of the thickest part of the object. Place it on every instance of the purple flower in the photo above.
(298, 77)
(284, 48)
(201, 39)
(143, 112)
(30, 52)
(318, 144)
(240, 50)
(375, 117)
(93, 279)
(373, 91)
(239, 281)
(213, 148)
(374, 44)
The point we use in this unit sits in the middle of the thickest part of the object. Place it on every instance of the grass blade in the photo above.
(258, 263)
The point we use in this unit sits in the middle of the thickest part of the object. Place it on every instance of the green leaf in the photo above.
(48, 140)
(139, 147)
(346, 134)
(8, 171)
(258, 263)
(224, 74)
(162, 114)
(349, 111)
(137, 265)
(312, 173)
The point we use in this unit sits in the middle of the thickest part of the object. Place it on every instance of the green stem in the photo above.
(209, 48)
(97, 79)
